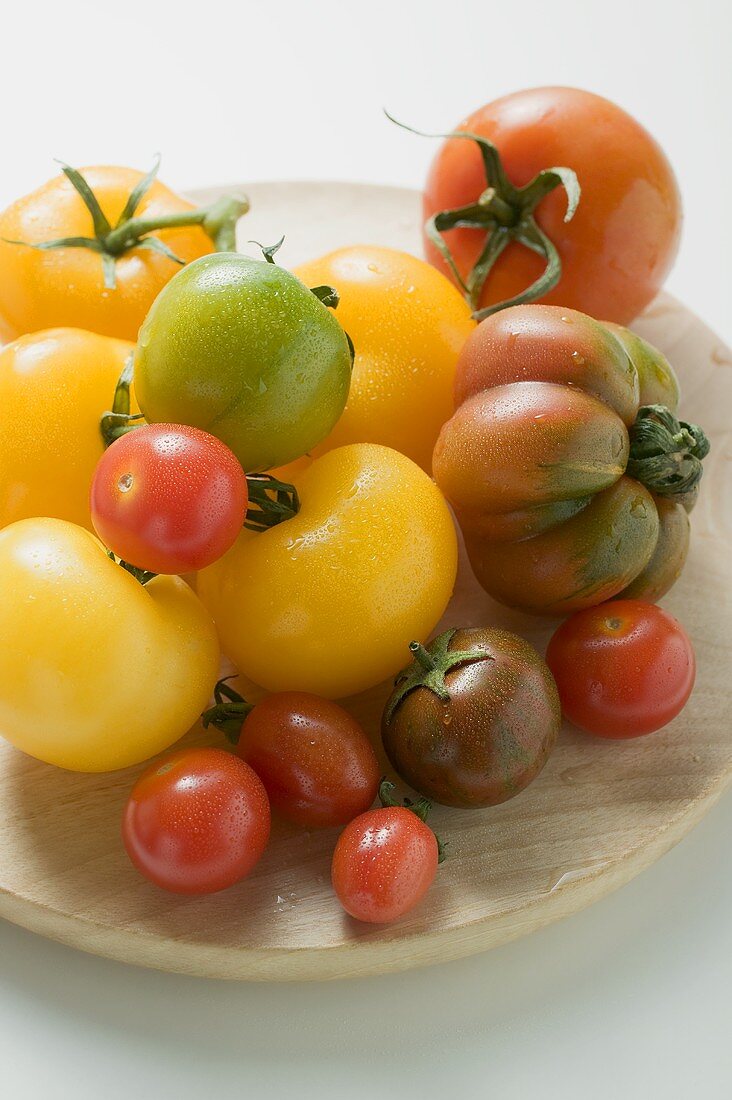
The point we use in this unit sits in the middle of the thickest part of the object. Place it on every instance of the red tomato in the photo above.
(384, 863)
(622, 668)
(196, 821)
(316, 763)
(621, 243)
(168, 498)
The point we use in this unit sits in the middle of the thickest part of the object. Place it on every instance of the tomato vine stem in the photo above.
(131, 230)
(506, 213)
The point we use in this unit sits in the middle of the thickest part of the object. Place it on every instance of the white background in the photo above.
(630, 998)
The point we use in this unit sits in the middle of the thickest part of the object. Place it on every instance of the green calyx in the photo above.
(505, 213)
(131, 230)
(119, 421)
(144, 576)
(270, 502)
(229, 711)
(420, 808)
(666, 454)
(429, 668)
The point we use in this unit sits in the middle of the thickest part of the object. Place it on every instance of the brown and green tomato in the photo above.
(473, 720)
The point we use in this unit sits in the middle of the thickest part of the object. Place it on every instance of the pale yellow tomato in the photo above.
(97, 671)
(328, 601)
(54, 387)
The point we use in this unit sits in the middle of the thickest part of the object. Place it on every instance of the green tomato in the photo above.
(244, 350)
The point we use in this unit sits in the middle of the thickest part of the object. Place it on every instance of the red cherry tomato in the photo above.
(621, 243)
(196, 821)
(316, 763)
(622, 668)
(384, 863)
(168, 498)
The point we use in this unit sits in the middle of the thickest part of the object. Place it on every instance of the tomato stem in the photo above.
(430, 667)
(666, 454)
(218, 221)
(229, 711)
(273, 502)
(421, 808)
(506, 214)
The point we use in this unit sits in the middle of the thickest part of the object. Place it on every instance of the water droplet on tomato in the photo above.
(125, 483)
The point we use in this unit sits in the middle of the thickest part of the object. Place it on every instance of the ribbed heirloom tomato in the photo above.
(616, 250)
(54, 387)
(569, 486)
(168, 498)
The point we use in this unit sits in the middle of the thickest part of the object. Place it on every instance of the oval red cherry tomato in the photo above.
(384, 863)
(196, 821)
(168, 498)
(316, 763)
(622, 668)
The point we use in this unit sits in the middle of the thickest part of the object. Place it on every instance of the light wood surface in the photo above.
(598, 815)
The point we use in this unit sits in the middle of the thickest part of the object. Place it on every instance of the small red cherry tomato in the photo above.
(622, 668)
(317, 764)
(196, 821)
(384, 863)
(168, 498)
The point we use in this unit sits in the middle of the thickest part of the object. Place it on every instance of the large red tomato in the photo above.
(620, 244)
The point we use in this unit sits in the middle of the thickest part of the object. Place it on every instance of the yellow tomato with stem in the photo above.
(93, 247)
(329, 600)
(408, 324)
(97, 670)
(54, 388)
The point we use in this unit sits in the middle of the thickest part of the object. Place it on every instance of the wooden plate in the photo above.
(599, 813)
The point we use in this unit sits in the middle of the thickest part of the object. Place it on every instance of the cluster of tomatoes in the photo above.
(255, 451)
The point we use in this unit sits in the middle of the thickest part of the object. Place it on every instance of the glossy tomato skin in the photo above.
(408, 324)
(317, 764)
(244, 350)
(328, 601)
(54, 387)
(197, 821)
(618, 249)
(384, 863)
(43, 289)
(623, 669)
(168, 498)
(493, 735)
(534, 461)
(97, 671)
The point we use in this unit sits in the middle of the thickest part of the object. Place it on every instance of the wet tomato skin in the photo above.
(316, 763)
(623, 669)
(197, 821)
(168, 498)
(384, 863)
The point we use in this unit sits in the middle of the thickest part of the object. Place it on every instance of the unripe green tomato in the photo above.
(244, 350)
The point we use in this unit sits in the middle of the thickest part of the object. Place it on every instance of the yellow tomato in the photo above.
(54, 387)
(328, 601)
(66, 286)
(408, 324)
(97, 672)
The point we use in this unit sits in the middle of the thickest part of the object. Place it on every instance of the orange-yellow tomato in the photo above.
(408, 325)
(65, 286)
(54, 387)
